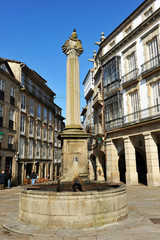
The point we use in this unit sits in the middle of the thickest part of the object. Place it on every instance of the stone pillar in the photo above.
(130, 158)
(3, 161)
(75, 140)
(153, 175)
(73, 49)
(112, 162)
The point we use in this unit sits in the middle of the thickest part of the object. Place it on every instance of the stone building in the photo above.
(9, 118)
(126, 99)
(37, 125)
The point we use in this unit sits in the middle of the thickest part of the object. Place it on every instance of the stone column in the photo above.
(153, 175)
(112, 162)
(75, 140)
(73, 49)
(130, 158)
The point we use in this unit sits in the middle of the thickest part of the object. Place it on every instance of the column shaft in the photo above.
(130, 157)
(153, 175)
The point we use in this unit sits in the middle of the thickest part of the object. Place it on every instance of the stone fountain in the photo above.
(99, 203)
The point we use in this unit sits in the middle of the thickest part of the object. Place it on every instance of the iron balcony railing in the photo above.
(129, 77)
(136, 117)
(151, 64)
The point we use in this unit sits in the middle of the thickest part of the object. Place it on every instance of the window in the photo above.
(50, 118)
(12, 96)
(131, 62)
(31, 107)
(23, 102)
(148, 12)
(59, 155)
(37, 91)
(31, 127)
(2, 89)
(11, 117)
(111, 70)
(10, 142)
(39, 111)
(112, 44)
(56, 124)
(22, 79)
(50, 150)
(50, 134)
(44, 132)
(134, 104)
(156, 96)
(55, 139)
(1, 116)
(44, 149)
(30, 148)
(38, 130)
(30, 85)
(45, 115)
(128, 30)
(22, 146)
(55, 155)
(38, 149)
(22, 124)
(153, 53)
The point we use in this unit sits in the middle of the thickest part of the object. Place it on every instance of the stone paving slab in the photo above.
(143, 202)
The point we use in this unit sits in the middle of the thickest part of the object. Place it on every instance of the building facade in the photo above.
(9, 118)
(37, 124)
(126, 76)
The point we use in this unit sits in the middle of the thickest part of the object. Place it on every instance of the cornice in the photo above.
(131, 35)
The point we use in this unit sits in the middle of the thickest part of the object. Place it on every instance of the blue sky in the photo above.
(33, 31)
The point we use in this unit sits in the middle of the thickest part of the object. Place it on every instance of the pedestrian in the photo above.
(33, 177)
(9, 175)
(2, 179)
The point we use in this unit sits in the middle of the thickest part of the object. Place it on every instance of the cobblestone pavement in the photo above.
(143, 220)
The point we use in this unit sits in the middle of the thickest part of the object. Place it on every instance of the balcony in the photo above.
(97, 129)
(151, 64)
(112, 86)
(97, 100)
(134, 118)
(130, 77)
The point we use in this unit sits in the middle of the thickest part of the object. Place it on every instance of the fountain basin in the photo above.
(44, 207)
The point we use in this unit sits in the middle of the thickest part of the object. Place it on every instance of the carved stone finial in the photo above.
(74, 44)
(102, 37)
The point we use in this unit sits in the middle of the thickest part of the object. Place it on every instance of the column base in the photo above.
(153, 179)
(131, 178)
(113, 177)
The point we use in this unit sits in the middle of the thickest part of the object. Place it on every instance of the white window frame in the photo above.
(39, 111)
(12, 92)
(1, 111)
(21, 147)
(2, 85)
(22, 124)
(31, 107)
(45, 115)
(38, 130)
(31, 124)
(30, 148)
(23, 102)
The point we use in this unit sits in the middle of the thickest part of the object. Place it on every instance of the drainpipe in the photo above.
(104, 127)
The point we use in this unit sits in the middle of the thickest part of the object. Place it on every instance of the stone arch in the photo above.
(93, 166)
(102, 161)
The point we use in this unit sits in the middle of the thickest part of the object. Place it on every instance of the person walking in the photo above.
(9, 175)
(2, 179)
(33, 177)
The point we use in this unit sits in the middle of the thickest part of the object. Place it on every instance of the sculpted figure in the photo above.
(73, 44)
